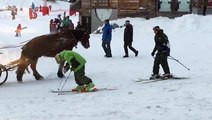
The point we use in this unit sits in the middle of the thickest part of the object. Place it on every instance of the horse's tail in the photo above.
(12, 65)
(16, 63)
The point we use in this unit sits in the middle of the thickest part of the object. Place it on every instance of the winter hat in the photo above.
(127, 22)
(107, 20)
(156, 28)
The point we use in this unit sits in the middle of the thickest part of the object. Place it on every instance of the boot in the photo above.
(167, 76)
(154, 76)
(125, 56)
(89, 87)
(80, 88)
(136, 53)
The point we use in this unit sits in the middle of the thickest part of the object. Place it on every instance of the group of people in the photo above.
(128, 39)
(77, 62)
(58, 23)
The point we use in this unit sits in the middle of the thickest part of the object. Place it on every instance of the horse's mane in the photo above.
(78, 33)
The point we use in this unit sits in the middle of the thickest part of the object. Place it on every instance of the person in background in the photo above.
(128, 39)
(50, 7)
(71, 25)
(77, 63)
(53, 26)
(13, 13)
(106, 38)
(18, 31)
(79, 26)
(66, 23)
(163, 51)
(58, 22)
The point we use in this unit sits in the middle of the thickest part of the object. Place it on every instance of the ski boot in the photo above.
(90, 87)
(154, 76)
(167, 76)
(80, 88)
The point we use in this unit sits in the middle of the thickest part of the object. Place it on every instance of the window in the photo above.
(184, 6)
(165, 5)
(174, 5)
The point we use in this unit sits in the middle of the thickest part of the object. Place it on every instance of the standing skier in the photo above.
(128, 39)
(77, 63)
(163, 50)
(106, 38)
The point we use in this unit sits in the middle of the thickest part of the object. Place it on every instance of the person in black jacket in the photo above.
(58, 22)
(163, 50)
(128, 39)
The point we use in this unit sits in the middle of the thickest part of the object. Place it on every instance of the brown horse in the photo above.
(49, 45)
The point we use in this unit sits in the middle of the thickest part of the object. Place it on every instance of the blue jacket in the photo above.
(107, 32)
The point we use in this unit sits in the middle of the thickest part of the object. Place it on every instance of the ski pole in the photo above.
(60, 67)
(65, 81)
(172, 58)
(60, 84)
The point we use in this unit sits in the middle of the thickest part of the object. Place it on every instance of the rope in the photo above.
(14, 45)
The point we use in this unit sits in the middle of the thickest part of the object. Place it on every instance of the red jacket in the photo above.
(19, 28)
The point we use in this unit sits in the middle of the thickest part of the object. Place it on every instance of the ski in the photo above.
(95, 90)
(159, 79)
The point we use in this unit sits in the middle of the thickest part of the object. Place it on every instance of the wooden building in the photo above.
(94, 12)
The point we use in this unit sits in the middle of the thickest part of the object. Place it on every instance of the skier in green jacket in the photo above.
(77, 65)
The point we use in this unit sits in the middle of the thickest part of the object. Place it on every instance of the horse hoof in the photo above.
(19, 81)
(39, 77)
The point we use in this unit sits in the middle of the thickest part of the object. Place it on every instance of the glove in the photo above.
(168, 53)
(60, 74)
(153, 53)
(72, 69)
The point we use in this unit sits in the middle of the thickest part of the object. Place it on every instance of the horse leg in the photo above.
(60, 70)
(35, 72)
(20, 70)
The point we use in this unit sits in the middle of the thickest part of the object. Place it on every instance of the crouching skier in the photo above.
(77, 64)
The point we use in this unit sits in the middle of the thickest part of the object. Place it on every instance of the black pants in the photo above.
(204, 10)
(130, 47)
(107, 49)
(80, 77)
(160, 59)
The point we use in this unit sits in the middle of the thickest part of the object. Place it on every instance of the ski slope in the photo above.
(190, 99)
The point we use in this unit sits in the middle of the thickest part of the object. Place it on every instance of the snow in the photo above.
(190, 99)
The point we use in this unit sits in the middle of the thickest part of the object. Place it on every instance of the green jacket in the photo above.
(73, 58)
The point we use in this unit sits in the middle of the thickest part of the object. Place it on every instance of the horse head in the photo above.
(78, 35)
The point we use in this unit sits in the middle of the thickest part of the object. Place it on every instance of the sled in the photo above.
(5, 68)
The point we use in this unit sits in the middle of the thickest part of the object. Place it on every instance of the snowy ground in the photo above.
(190, 99)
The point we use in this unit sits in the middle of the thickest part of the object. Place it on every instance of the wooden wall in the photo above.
(134, 8)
